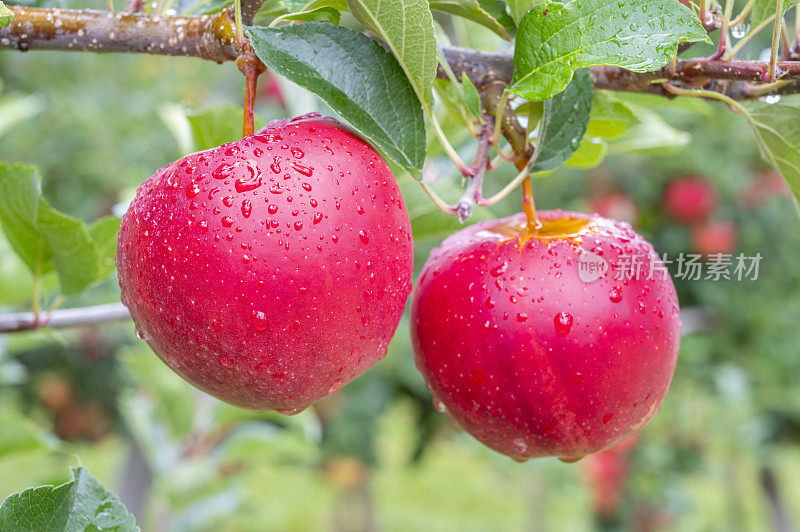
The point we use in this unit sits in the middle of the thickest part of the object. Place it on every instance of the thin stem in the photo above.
(796, 27)
(723, 31)
(785, 43)
(776, 40)
(744, 40)
(498, 121)
(251, 82)
(529, 206)
(37, 283)
(448, 148)
(506, 190)
(439, 202)
(240, 40)
(703, 15)
(743, 14)
(110, 5)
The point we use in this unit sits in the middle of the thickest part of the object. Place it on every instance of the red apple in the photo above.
(535, 357)
(270, 271)
(607, 472)
(616, 205)
(714, 237)
(689, 199)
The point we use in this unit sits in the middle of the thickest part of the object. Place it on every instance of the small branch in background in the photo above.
(771, 74)
(475, 184)
(723, 31)
(780, 517)
(63, 318)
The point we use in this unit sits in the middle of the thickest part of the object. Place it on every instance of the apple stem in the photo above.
(251, 67)
(529, 206)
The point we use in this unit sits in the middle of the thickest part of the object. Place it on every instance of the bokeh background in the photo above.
(722, 454)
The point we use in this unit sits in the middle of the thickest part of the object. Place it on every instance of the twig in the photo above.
(770, 75)
(69, 317)
(212, 37)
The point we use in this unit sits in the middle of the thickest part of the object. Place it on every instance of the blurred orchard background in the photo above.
(722, 454)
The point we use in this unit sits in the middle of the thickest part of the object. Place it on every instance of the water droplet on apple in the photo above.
(563, 322)
(259, 320)
(615, 294)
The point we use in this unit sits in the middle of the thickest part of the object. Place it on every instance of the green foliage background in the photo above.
(378, 452)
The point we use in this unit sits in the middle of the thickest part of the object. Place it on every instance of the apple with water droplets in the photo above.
(273, 270)
(558, 341)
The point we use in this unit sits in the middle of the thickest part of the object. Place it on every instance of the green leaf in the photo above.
(307, 5)
(216, 125)
(471, 96)
(763, 10)
(406, 26)
(207, 7)
(777, 127)
(519, 8)
(104, 233)
(589, 154)
(5, 15)
(498, 10)
(43, 237)
(471, 10)
(82, 504)
(554, 40)
(356, 77)
(610, 117)
(564, 122)
(312, 15)
(651, 135)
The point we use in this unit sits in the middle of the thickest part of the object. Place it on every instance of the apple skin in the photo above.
(270, 271)
(527, 357)
(690, 199)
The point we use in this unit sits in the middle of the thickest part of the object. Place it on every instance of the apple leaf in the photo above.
(651, 135)
(762, 10)
(518, 8)
(5, 15)
(499, 10)
(554, 40)
(471, 97)
(356, 77)
(563, 123)
(104, 233)
(777, 128)
(610, 116)
(472, 10)
(80, 504)
(307, 5)
(43, 237)
(217, 125)
(406, 26)
(589, 154)
(315, 14)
